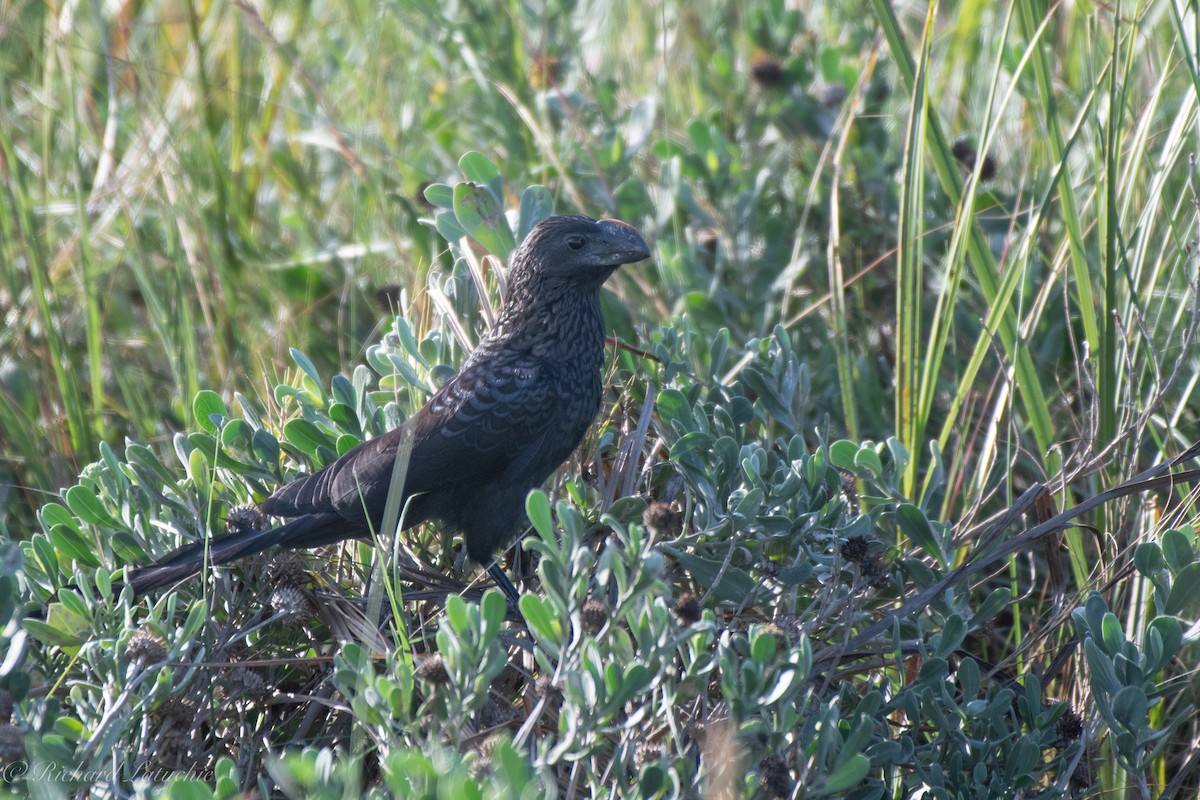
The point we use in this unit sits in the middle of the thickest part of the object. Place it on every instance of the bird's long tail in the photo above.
(188, 560)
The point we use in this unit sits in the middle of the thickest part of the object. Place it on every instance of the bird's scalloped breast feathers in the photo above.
(478, 421)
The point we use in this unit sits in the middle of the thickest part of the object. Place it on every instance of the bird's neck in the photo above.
(566, 318)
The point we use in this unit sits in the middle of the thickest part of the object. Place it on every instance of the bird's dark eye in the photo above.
(575, 241)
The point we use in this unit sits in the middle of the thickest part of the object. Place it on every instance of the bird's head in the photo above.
(579, 250)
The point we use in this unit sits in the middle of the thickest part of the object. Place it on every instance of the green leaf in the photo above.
(249, 412)
(916, 527)
(998, 599)
(735, 585)
(207, 444)
(747, 507)
(1171, 633)
(651, 781)
(103, 582)
(54, 633)
(57, 514)
(635, 680)
(933, 670)
(198, 470)
(266, 446)
(846, 775)
(762, 649)
(675, 411)
(127, 548)
(456, 614)
(188, 789)
(480, 214)
(306, 365)
(492, 607)
(1177, 548)
(236, 431)
(1112, 636)
(343, 392)
(536, 204)
(1130, 707)
(1094, 609)
(197, 616)
(1148, 558)
(440, 195)
(306, 436)
(68, 542)
(345, 418)
(951, 636)
(537, 508)
(1185, 592)
(447, 225)
(544, 626)
(1023, 759)
(346, 442)
(1103, 675)
(843, 454)
(87, 507)
(144, 456)
(478, 168)
(869, 459)
(206, 405)
(968, 677)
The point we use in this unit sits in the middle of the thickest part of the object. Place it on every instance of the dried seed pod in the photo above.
(146, 646)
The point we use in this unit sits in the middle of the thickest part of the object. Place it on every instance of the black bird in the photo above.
(515, 411)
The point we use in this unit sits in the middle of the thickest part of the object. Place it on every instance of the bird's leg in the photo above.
(506, 586)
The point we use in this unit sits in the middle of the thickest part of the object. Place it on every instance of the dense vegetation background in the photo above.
(923, 276)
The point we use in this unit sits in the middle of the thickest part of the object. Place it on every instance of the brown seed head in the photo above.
(249, 680)
(146, 646)
(288, 571)
(594, 615)
(688, 609)
(244, 517)
(966, 154)
(782, 642)
(855, 550)
(176, 711)
(1070, 726)
(662, 520)
(875, 571)
(292, 604)
(767, 71)
(495, 714)
(433, 671)
(774, 778)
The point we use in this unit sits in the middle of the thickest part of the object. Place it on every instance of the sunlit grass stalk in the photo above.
(1033, 21)
(942, 320)
(910, 285)
(1033, 399)
(1112, 261)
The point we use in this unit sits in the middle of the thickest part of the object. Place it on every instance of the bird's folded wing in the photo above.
(483, 419)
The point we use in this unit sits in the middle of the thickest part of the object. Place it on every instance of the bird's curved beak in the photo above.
(624, 245)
